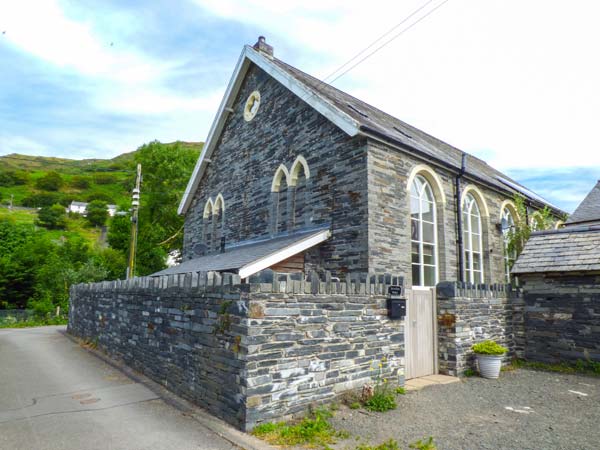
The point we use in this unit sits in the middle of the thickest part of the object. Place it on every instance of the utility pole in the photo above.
(135, 204)
(12, 196)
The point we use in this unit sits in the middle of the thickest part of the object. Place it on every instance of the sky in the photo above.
(512, 82)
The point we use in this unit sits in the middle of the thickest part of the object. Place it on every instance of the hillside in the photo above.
(110, 180)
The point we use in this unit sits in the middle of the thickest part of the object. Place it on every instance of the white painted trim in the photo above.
(510, 205)
(283, 254)
(279, 173)
(300, 162)
(479, 198)
(434, 179)
(327, 109)
(208, 208)
(219, 201)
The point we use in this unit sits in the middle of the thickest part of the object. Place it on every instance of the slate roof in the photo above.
(74, 203)
(373, 120)
(589, 209)
(240, 255)
(565, 250)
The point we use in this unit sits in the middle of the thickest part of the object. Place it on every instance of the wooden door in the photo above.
(420, 333)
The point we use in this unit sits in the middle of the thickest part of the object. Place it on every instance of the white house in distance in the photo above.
(81, 208)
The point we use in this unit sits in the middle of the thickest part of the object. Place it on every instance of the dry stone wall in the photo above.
(251, 352)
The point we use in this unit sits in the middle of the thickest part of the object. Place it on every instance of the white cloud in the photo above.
(514, 80)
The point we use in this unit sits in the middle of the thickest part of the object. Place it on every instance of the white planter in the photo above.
(489, 365)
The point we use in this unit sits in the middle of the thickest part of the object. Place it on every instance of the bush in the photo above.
(382, 400)
(52, 217)
(52, 181)
(13, 178)
(80, 182)
(42, 199)
(489, 348)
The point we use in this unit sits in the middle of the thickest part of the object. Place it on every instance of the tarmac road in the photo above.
(56, 395)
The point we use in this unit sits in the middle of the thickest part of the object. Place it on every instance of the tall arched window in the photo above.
(218, 222)
(279, 193)
(508, 226)
(472, 240)
(299, 175)
(207, 225)
(423, 234)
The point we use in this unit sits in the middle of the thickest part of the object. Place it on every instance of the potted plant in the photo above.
(489, 358)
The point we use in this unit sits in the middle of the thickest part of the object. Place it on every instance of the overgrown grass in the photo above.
(35, 322)
(392, 444)
(583, 367)
(314, 430)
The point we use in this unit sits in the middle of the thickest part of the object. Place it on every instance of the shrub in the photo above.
(424, 445)
(42, 199)
(489, 348)
(52, 217)
(52, 181)
(13, 178)
(80, 182)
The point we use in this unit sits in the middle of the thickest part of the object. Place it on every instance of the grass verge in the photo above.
(35, 322)
(580, 367)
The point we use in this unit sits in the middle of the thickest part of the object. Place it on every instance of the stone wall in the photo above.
(389, 216)
(467, 315)
(562, 316)
(247, 157)
(246, 352)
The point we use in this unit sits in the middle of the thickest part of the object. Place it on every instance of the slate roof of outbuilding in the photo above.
(589, 209)
(573, 249)
(373, 120)
(240, 255)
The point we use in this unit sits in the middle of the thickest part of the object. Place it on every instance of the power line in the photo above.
(378, 39)
(391, 39)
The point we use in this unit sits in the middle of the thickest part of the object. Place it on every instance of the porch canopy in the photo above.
(250, 257)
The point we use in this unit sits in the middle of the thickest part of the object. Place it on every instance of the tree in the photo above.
(97, 213)
(52, 181)
(52, 217)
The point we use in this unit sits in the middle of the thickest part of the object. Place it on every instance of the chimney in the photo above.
(262, 46)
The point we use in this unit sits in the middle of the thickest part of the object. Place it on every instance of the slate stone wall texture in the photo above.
(247, 353)
(467, 316)
(247, 157)
(562, 316)
(389, 217)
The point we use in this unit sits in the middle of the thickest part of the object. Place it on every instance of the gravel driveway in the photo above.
(524, 409)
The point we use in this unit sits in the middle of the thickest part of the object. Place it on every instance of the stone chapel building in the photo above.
(297, 175)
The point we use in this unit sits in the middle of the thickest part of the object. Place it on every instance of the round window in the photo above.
(251, 107)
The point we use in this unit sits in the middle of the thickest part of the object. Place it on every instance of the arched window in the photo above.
(508, 226)
(423, 225)
(472, 240)
(207, 225)
(218, 222)
(299, 175)
(279, 193)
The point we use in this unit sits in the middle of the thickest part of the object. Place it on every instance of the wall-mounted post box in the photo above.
(396, 303)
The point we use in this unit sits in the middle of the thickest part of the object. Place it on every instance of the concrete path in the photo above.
(56, 395)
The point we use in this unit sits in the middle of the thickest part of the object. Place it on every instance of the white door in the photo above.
(420, 333)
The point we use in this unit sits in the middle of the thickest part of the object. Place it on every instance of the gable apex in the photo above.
(311, 97)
